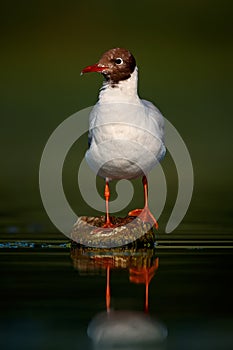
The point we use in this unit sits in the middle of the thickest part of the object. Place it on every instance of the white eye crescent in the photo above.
(118, 60)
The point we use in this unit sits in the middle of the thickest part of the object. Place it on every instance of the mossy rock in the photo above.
(95, 260)
(129, 231)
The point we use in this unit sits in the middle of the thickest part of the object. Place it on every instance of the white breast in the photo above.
(126, 136)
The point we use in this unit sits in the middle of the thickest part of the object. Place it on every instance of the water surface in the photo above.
(51, 293)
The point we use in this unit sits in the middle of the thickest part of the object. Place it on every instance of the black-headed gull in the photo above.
(126, 133)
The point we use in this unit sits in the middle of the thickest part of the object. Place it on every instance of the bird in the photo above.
(126, 133)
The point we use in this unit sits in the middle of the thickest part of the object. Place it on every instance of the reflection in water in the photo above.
(126, 329)
(118, 329)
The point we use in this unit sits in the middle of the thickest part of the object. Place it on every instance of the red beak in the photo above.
(93, 68)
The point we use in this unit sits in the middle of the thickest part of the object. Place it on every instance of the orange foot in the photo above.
(143, 274)
(145, 215)
(108, 227)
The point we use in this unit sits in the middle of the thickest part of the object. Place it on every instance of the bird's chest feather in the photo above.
(124, 121)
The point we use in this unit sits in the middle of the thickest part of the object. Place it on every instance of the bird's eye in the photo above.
(118, 60)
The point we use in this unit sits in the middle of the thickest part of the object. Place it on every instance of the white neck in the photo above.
(125, 90)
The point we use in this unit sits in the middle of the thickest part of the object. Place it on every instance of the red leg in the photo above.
(145, 214)
(107, 196)
(108, 295)
(108, 224)
(144, 275)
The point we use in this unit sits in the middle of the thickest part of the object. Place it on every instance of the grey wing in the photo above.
(161, 153)
(89, 139)
(155, 113)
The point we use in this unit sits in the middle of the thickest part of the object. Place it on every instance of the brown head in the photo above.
(116, 65)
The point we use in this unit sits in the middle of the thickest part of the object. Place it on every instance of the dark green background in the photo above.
(184, 53)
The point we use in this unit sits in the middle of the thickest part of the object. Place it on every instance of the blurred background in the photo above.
(184, 53)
